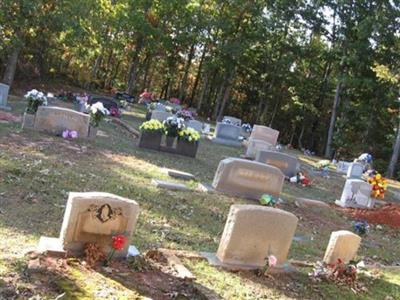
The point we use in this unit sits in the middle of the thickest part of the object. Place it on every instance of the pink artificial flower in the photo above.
(175, 101)
(73, 134)
(272, 261)
(145, 94)
(65, 134)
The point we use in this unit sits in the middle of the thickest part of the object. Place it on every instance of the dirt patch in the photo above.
(385, 215)
(5, 116)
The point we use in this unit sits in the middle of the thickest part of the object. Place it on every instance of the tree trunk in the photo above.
(11, 66)
(182, 88)
(299, 140)
(196, 82)
(203, 91)
(395, 154)
(274, 112)
(219, 99)
(226, 95)
(134, 66)
(336, 102)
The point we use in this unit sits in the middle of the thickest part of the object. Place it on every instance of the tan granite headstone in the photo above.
(342, 245)
(289, 165)
(95, 217)
(252, 233)
(254, 145)
(248, 179)
(57, 119)
(265, 134)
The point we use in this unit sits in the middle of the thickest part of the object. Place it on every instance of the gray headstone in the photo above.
(343, 166)
(4, 89)
(196, 125)
(227, 134)
(289, 165)
(179, 174)
(160, 115)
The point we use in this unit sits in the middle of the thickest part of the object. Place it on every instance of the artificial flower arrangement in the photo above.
(379, 186)
(173, 125)
(115, 112)
(152, 125)
(226, 121)
(94, 253)
(97, 112)
(175, 101)
(72, 134)
(247, 127)
(35, 99)
(185, 114)
(301, 179)
(189, 134)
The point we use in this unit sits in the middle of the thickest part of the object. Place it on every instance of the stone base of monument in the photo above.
(354, 205)
(213, 260)
(227, 142)
(54, 247)
(5, 107)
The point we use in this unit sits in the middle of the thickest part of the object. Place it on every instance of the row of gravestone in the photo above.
(55, 120)
(251, 232)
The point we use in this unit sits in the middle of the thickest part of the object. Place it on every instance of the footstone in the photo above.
(252, 233)
(93, 218)
(205, 188)
(179, 174)
(289, 165)
(305, 203)
(55, 120)
(170, 185)
(248, 179)
(356, 193)
(265, 134)
(342, 245)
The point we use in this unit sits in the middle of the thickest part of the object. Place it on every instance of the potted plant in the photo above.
(150, 134)
(35, 99)
(172, 126)
(97, 113)
(188, 142)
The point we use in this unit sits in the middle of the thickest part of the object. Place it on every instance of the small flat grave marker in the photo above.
(170, 185)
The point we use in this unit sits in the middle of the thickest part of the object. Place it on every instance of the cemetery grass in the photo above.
(37, 171)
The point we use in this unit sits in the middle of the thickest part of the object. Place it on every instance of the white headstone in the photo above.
(160, 115)
(255, 145)
(356, 193)
(355, 171)
(342, 245)
(343, 166)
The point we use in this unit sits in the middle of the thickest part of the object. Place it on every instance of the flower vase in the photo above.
(187, 148)
(92, 132)
(169, 141)
(28, 120)
(148, 115)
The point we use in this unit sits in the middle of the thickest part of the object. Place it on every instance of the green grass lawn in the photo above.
(37, 172)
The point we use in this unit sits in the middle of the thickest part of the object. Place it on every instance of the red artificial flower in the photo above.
(119, 241)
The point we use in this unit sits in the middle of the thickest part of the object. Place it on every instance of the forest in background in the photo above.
(325, 73)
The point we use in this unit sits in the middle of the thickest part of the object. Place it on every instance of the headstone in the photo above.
(233, 120)
(94, 217)
(356, 193)
(227, 134)
(4, 89)
(179, 174)
(196, 125)
(248, 179)
(160, 115)
(160, 107)
(57, 119)
(252, 233)
(342, 245)
(356, 170)
(265, 134)
(289, 165)
(254, 145)
(343, 166)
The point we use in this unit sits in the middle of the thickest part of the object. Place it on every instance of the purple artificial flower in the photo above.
(73, 134)
(65, 134)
